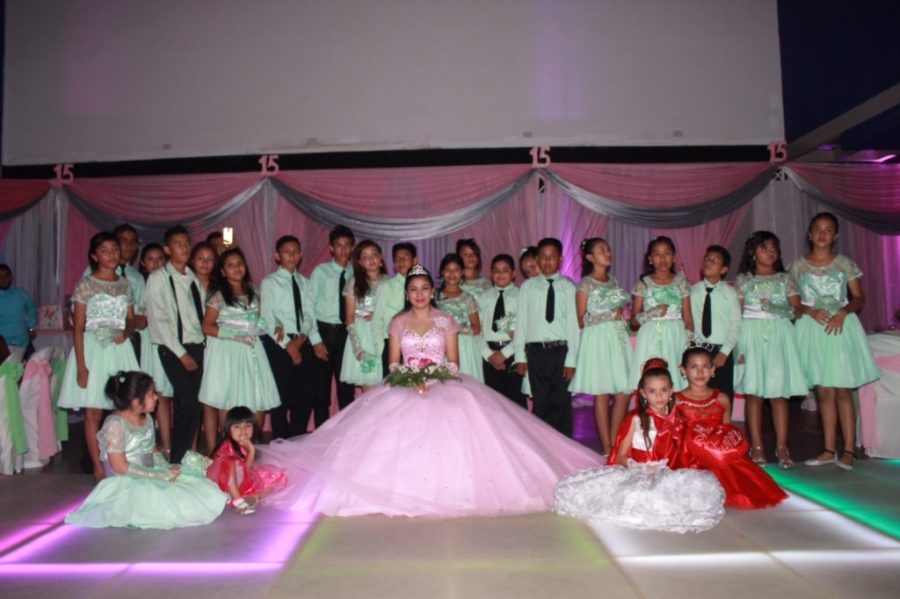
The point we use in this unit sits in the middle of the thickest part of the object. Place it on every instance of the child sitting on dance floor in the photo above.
(645, 494)
(141, 489)
(233, 467)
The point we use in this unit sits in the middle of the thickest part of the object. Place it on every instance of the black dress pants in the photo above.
(187, 411)
(549, 388)
(295, 389)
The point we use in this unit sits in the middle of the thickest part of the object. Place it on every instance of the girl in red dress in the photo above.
(646, 494)
(233, 466)
(712, 443)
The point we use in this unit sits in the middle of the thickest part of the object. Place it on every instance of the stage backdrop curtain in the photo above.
(691, 242)
(18, 195)
(153, 204)
(662, 195)
(867, 194)
(406, 203)
(33, 248)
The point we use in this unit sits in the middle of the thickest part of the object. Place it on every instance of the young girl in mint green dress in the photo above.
(236, 371)
(661, 307)
(362, 354)
(768, 362)
(604, 354)
(833, 345)
(463, 307)
(103, 318)
(141, 489)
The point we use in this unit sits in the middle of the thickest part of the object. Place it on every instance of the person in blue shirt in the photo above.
(18, 314)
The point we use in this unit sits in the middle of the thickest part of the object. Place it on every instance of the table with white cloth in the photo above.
(879, 402)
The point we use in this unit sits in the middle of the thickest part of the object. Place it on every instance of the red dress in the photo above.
(260, 480)
(665, 437)
(722, 449)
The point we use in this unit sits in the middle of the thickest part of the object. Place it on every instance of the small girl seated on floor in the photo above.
(233, 467)
(645, 494)
(141, 489)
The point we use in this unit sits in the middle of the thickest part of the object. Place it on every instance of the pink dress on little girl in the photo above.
(457, 449)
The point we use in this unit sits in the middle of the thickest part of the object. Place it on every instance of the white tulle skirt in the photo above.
(645, 496)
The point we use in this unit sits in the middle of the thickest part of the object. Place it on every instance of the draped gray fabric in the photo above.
(399, 228)
(671, 218)
(874, 221)
(106, 221)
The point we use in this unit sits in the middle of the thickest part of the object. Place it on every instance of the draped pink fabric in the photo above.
(155, 199)
(867, 400)
(403, 192)
(572, 223)
(878, 256)
(5, 227)
(78, 236)
(874, 187)
(691, 242)
(661, 185)
(46, 419)
(312, 235)
(514, 225)
(17, 194)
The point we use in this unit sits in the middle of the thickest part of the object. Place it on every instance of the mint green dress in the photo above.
(768, 341)
(106, 308)
(144, 497)
(604, 354)
(364, 336)
(843, 360)
(476, 287)
(236, 371)
(461, 308)
(661, 336)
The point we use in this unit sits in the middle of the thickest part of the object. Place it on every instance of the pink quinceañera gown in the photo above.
(457, 449)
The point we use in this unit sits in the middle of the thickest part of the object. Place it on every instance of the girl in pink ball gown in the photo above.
(455, 448)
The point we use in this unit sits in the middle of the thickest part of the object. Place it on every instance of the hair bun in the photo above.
(654, 363)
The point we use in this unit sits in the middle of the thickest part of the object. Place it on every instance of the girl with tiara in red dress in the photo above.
(712, 443)
(637, 489)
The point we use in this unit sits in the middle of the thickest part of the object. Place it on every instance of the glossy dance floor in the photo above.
(814, 545)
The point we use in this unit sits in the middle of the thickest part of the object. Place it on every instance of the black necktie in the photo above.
(551, 301)
(342, 308)
(706, 326)
(499, 311)
(198, 305)
(298, 302)
(120, 270)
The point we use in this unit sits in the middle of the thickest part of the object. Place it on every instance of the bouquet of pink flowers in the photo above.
(419, 373)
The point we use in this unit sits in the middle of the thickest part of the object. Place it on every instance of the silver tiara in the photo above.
(696, 344)
(416, 270)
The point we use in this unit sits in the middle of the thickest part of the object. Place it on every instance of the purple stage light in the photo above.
(38, 545)
(22, 534)
(885, 158)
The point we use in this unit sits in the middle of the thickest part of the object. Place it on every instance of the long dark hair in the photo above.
(756, 240)
(653, 367)
(236, 415)
(445, 262)
(407, 306)
(222, 284)
(648, 263)
(360, 279)
(146, 250)
(812, 221)
(527, 252)
(96, 241)
(123, 387)
(587, 246)
(473, 245)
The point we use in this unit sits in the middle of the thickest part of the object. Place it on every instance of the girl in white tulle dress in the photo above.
(447, 449)
(637, 489)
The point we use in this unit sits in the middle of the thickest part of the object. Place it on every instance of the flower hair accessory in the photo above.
(654, 363)
(417, 270)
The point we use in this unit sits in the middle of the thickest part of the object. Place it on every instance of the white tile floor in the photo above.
(799, 549)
